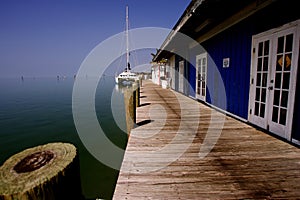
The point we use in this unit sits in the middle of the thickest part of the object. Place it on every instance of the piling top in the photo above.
(34, 166)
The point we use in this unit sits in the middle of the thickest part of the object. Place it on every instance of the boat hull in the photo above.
(126, 78)
(125, 81)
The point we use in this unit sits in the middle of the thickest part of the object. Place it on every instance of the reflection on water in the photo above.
(36, 111)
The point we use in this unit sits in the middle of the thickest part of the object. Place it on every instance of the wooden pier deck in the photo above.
(166, 155)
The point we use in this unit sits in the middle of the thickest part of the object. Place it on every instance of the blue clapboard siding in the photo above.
(192, 79)
(235, 44)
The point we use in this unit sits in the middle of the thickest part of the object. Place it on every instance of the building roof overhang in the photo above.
(203, 19)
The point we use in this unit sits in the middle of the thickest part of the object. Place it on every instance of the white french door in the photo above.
(181, 76)
(201, 78)
(273, 79)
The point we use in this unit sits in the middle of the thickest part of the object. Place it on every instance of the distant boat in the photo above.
(126, 77)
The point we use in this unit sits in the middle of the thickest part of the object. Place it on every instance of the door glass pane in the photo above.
(258, 79)
(264, 79)
(260, 49)
(276, 97)
(256, 108)
(282, 116)
(289, 43)
(278, 80)
(266, 61)
(266, 50)
(262, 110)
(280, 45)
(286, 81)
(203, 61)
(287, 62)
(257, 94)
(203, 84)
(259, 64)
(263, 95)
(284, 99)
(275, 114)
(279, 63)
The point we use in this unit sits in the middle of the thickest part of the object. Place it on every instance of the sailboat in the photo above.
(126, 77)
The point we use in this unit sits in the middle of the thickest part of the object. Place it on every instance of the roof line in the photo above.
(181, 21)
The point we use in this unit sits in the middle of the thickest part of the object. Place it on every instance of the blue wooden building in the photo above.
(248, 66)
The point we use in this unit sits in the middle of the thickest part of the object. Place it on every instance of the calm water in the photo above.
(36, 111)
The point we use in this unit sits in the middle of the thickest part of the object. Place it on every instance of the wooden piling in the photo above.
(49, 171)
(136, 88)
(138, 97)
(130, 108)
(131, 101)
(141, 81)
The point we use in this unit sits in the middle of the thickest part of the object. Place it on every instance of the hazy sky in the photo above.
(52, 37)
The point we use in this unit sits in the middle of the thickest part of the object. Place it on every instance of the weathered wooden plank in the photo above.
(245, 163)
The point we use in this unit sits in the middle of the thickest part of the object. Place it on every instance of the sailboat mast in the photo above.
(127, 40)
